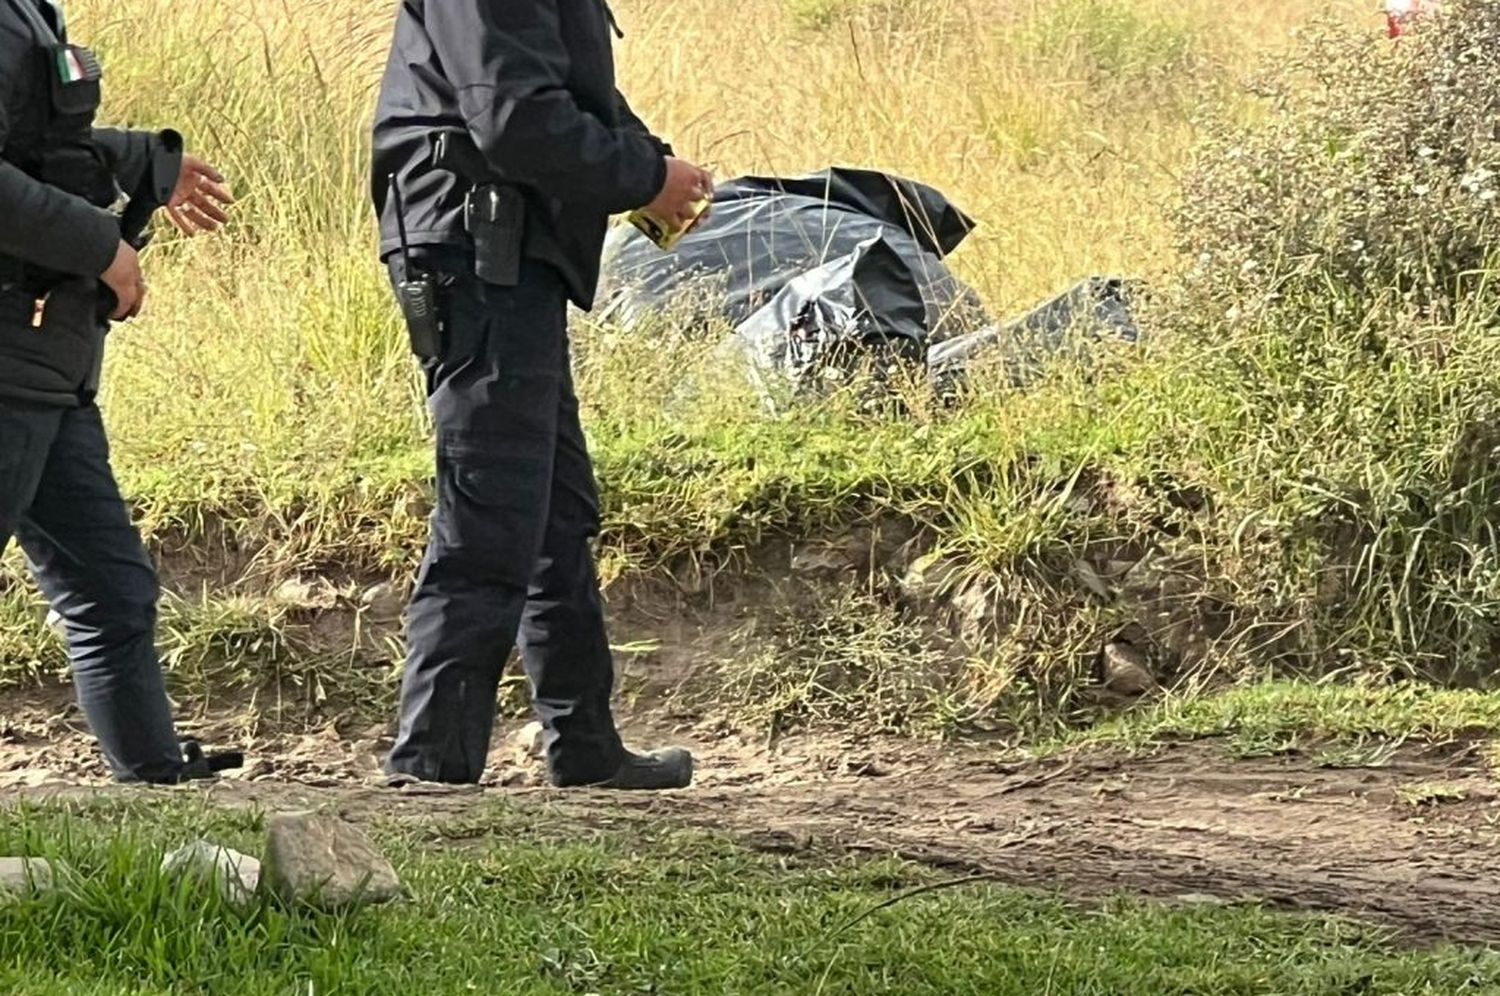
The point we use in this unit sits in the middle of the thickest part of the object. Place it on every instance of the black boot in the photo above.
(661, 769)
(198, 766)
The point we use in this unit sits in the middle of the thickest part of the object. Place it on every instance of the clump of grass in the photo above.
(836, 657)
(818, 15)
(1114, 40)
(1431, 794)
(29, 651)
(1271, 717)
(221, 651)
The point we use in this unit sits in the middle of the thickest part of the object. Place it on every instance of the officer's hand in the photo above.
(199, 203)
(686, 185)
(125, 279)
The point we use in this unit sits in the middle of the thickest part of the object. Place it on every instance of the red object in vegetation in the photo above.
(1399, 14)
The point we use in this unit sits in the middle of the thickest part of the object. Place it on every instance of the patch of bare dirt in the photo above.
(1413, 844)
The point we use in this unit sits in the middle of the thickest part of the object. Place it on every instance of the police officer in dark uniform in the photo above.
(502, 148)
(74, 204)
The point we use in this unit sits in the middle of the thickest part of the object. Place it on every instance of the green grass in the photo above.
(1334, 721)
(213, 645)
(505, 902)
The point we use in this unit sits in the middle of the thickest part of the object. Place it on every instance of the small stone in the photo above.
(528, 740)
(383, 603)
(863, 769)
(1201, 899)
(514, 778)
(311, 857)
(237, 874)
(1090, 578)
(930, 575)
(293, 591)
(1127, 671)
(299, 593)
(976, 613)
(256, 771)
(825, 559)
(20, 876)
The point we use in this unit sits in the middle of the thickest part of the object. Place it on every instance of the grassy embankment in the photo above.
(267, 404)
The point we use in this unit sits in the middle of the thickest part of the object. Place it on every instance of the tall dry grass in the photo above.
(1059, 124)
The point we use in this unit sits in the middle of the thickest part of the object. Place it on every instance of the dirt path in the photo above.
(1414, 843)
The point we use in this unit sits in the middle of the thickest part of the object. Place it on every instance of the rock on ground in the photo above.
(22, 875)
(383, 603)
(237, 874)
(1127, 670)
(527, 741)
(312, 857)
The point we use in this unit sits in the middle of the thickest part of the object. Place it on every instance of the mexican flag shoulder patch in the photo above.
(76, 64)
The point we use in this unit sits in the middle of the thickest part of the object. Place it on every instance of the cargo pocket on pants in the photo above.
(491, 516)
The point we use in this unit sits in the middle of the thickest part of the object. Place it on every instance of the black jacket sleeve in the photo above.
(146, 163)
(508, 65)
(43, 225)
(632, 122)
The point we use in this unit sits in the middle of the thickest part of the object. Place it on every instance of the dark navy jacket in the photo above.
(57, 230)
(532, 83)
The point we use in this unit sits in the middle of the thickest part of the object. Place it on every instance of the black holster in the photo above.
(494, 212)
(495, 215)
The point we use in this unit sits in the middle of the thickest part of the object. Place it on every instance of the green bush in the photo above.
(1371, 181)
(1338, 293)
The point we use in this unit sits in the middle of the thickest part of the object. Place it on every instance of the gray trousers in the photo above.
(508, 562)
(59, 498)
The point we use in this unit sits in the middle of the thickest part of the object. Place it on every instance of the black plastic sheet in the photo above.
(817, 271)
(1093, 309)
(804, 268)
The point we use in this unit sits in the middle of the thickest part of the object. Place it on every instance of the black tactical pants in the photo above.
(508, 562)
(58, 496)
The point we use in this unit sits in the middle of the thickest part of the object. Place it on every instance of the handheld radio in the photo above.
(418, 295)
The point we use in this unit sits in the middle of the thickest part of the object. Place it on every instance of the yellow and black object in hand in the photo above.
(659, 231)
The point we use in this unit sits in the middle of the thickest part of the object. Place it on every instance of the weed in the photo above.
(1430, 794)
(847, 659)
